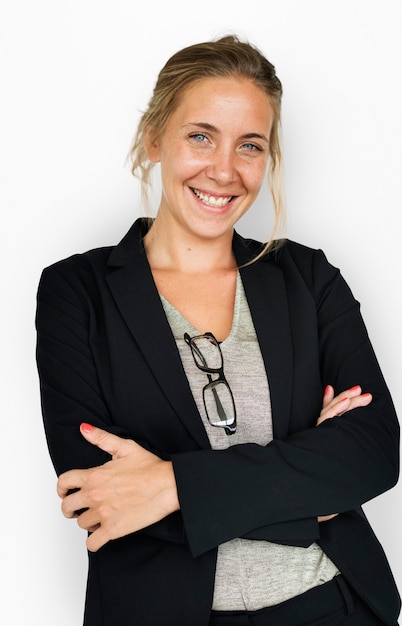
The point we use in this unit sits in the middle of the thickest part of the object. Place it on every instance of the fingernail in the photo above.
(327, 389)
(354, 388)
(87, 428)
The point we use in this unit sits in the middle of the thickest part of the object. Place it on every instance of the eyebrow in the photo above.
(212, 128)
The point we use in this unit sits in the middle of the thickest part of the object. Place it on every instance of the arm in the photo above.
(69, 381)
(233, 519)
(333, 407)
(69, 385)
(334, 467)
(137, 488)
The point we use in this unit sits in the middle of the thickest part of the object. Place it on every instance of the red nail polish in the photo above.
(87, 428)
(354, 388)
(327, 390)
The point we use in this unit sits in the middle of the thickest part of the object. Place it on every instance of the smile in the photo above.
(212, 200)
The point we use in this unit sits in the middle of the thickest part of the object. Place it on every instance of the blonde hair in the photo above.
(225, 57)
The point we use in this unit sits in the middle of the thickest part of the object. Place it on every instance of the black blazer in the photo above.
(106, 355)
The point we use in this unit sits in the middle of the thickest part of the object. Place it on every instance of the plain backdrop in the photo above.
(74, 77)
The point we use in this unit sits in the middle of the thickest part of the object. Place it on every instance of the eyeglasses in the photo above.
(217, 395)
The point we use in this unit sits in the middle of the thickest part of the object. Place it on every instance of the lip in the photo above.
(212, 200)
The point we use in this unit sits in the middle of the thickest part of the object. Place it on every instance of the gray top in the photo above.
(250, 574)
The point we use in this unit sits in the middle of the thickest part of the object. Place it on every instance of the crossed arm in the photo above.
(136, 488)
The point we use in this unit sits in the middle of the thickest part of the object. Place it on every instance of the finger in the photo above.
(97, 539)
(340, 407)
(73, 505)
(365, 399)
(326, 518)
(353, 391)
(68, 511)
(328, 396)
(333, 402)
(93, 528)
(69, 481)
(116, 446)
(89, 520)
(362, 400)
(334, 409)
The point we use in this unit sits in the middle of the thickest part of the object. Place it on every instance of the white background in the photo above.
(74, 76)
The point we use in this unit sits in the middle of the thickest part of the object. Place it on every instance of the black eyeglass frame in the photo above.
(230, 428)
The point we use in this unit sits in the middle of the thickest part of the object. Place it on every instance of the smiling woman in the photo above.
(214, 153)
(211, 175)
(213, 405)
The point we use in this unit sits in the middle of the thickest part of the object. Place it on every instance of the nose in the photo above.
(222, 167)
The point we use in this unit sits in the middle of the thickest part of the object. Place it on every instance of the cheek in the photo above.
(180, 158)
(256, 178)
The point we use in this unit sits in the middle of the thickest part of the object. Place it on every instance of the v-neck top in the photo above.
(244, 371)
(250, 574)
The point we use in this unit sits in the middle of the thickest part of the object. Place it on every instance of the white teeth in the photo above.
(211, 200)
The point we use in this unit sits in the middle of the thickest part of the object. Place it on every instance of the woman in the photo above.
(213, 406)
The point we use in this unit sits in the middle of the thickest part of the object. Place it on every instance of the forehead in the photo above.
(224, 98)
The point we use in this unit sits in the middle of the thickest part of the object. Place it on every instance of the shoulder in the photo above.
(298, 251)
(83, 276)
(309, 267)
(80, 264)
(300, 265)
(96, 257)
(304, 257)
(289, 255)
(280, 250)
(75, 280)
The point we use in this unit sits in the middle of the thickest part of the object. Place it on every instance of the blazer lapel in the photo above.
(137, 299)
(265, 289)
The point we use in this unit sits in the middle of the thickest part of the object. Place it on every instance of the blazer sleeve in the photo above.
(69, 383)
(332, 468)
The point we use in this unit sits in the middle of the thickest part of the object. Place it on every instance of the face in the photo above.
(213, 155)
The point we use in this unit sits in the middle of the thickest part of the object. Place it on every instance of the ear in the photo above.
(151, 146)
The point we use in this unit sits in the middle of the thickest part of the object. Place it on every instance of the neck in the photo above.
(186, 252)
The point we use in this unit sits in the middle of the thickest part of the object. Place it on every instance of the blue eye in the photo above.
(252, 147)
(199, 137)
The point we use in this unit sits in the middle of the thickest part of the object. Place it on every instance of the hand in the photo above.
(333, 406)
(133, 490)
(346, 401)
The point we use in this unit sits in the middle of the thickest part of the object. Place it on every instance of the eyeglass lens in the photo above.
(219, 404)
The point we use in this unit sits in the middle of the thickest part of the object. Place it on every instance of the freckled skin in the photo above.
(215, 145)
